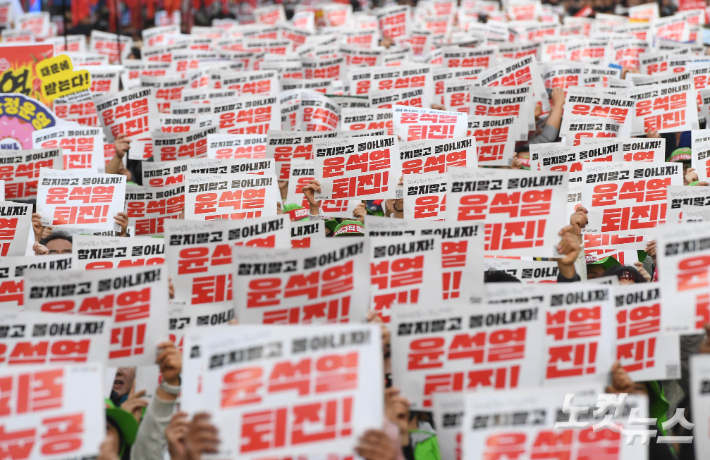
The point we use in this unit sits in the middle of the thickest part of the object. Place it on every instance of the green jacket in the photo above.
(426, 445)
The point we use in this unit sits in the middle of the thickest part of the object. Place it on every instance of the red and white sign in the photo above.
(181, 145)
(664, 108)
(425, 196)
(317, 113)
(317, 285)
(249, 115)
(232, 196)
(103, 252)
(523, 210)
(286, 146)
(366, 119)
(338, 396)
(590, 127)
(82, 148)
(148, 207)
(117, 48)
(306, 234)
(625, 198)
(558, 157)
(588, 102)
(302, 173)
(133, 113)
(634, 149)
(50, 412)
(643, 350)
(394, 21)
(136, 299)
(495, 137)
(15, 224)
(12, 271)
(80, 199)
(437, 156)
(414, 124)
(455, 350)
(527, 271)
(357, 168)
(236, 146)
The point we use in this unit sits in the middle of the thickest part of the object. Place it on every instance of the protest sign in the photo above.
(700, 153)
(523, 71)
(643, 350)
(489, 431)
(82, 148)
(132, 112)
(51, 411)
(398, 270)
(100, 252)
(627, 198)
(12, 271)
(579, 333)
(679, 196)
(52, 339)
(366, 119)
(15, 225)
(495, 137)
(664, 108)
(18, 73)
(306, 286)
(413, 124)
(425, 196)
(587, 102)
(178, 146)
(430, 156)
(448, 419)
(232, 146)
(232, 196)
(357, 168)
(116, 47)
(527, 271)
(136, 299)
(560, 157)
(164, 173)
(522, 210)
(394, 21)
(591, 127)
(634, 149)
(148, 207)
(307, 234)
(317, 112)
(452, 349)
(342, 401)
(259, 166)
(285, 146)
(20, 117)
(302, 173)
(249, 115)
(80, 199)
(681, 257)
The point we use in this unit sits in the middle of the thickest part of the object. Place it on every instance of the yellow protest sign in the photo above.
(59, 78)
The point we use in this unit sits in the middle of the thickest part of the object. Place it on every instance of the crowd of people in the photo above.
(138, 428)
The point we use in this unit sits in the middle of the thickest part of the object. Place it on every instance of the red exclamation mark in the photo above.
(345, 312)
(446, 281)
(540, 232)
(514, 374)
(500, 377)
(347, 415)
(651, 351)
(104, 212)
(457, 285)
(702, 302)
(385, 180)
(592, 358)
(140, 338)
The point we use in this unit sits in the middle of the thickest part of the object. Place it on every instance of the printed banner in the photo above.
(232, 196)
(306, 286)
(523, 210)
(20, 117)
(414, 124)
(589, 102)
(132, 112)
(19, 72)
(51, 412)
(80, 199)
(136, 299)
(664, 108)
(437, 156)
(179, 146)
(627, 198)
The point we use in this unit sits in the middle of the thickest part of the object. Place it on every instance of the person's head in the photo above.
(626, 274)
(522, 153)
(499, 276)
(121, 429)
(123, 381)
(596, 268)
(57, 243)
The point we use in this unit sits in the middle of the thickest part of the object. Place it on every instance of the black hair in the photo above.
(56, 236)
(625, 272)
(499, 276)
(113, 423)
(522, 148)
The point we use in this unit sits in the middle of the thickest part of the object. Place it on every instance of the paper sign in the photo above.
(452, 349)
(522, 212)
(233, 146)
(338, 412)
(527, 271)
(18, 71)
(164, 173)
(627, 198)
(117, 48)
(15, 224)
(366, 119)
(302, 173)
(664, 108)
(260, 167)
(80, 199)
(591, 127)
(133, 113)
(52, 339)
(413, 124)
(179, 146)
(233, 196)
(634, 149)
(59, 79)
(679, 196)
(587, 102)
(51, 411)
(82, 148)
(495, 137)
(437, 156)
(306, 286)
(285, 146)
(13, 270)
(148, 207)
(425, 196)
(357, 168)
(249, 115)
(136, 299)
(307, 234)
(102, 252)
(642, 349)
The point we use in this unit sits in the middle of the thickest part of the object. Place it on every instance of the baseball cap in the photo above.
(606, 262)
(374, 207)
(350, 228)
(296, 212)
(124, 422)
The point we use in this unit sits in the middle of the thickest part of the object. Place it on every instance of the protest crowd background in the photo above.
(380, 230)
